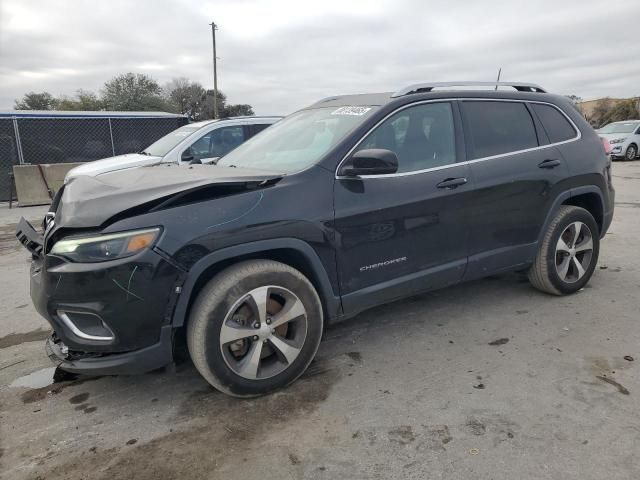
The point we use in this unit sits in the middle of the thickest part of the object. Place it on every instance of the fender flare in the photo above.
(562, 196)
(331, 301)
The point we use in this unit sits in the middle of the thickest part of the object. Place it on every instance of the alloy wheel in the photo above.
(631, 152)
(263, 332)
(574, 251)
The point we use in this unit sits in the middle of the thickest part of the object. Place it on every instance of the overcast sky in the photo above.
(282, 55)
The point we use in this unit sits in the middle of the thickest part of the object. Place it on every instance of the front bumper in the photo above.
(108, 317)
(618, 150)
(128, 363)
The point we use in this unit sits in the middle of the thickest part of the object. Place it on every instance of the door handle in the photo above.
(452, 183)
(549, 163)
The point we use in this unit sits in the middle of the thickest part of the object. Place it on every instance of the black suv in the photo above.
(352, 202)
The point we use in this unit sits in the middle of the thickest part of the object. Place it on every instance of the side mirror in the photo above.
(187, 155)
(372, 161)
(210, 161)
(195, 161)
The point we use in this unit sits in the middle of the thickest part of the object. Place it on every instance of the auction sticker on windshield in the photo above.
(358, 111)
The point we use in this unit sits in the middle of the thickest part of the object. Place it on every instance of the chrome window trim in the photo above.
(76, 331)
(466, 162)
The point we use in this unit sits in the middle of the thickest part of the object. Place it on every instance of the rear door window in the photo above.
(495, 128)
(558, 128)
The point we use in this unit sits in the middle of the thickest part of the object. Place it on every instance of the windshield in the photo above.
(622, 127)
(163, 146)
(298, 141)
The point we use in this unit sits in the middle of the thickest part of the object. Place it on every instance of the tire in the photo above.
(265, 358)
(631, 153)
(555, 269)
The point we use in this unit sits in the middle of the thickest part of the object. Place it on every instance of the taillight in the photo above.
(606, 145)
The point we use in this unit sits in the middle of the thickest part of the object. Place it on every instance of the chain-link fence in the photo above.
(59, 138)
(8, 155)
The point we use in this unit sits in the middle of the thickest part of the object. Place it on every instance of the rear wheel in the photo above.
(568, 253)
(255, 327)
(631, 153)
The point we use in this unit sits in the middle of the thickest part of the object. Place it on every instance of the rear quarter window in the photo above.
(257, 128)
(495, 128)
(558, 128)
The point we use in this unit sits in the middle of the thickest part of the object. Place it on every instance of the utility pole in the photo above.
(214, 27)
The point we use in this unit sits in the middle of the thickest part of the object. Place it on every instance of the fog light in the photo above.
(85, 325)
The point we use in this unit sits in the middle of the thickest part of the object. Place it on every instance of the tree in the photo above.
(133, 92)
(207, 107)
(36, 101)
(237, 110)
(600, 112)
(186, 97)
(83, 100)
(139, 92)
(607, 111)
(224, 110)
(624, 110)
(574, 99)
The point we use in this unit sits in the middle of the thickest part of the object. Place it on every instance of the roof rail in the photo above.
(427, 87)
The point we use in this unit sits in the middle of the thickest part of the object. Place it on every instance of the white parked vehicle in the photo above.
(200, 142)
(624, 138)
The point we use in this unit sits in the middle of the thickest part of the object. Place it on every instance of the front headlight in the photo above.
(617, 140)
(110, 246)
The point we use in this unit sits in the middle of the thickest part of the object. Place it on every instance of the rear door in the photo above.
(516, 172)
(405, 232)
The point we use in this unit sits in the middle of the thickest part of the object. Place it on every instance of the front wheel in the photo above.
(568, 252)
(255, 327)
(631, 153)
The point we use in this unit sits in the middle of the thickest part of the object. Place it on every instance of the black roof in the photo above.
(508, 90)
(381, 99)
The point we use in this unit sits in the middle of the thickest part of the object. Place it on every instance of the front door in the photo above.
(406, 232)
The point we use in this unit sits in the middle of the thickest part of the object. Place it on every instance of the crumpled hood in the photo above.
(89, 201)
(111, 164)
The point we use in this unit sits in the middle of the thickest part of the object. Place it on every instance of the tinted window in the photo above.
(257, 128)
(555, 123)
(217, 143)
(223, 140)
(422, 137)
(200, 148)
(494, 128)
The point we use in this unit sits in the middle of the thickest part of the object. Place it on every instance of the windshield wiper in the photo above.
(144, 153)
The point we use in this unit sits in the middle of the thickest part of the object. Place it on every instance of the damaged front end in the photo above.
(100, 272)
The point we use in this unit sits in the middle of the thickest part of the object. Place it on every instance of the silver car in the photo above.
(624, 138)
(200, 142)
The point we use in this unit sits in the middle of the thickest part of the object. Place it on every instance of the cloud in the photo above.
(282, 55)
